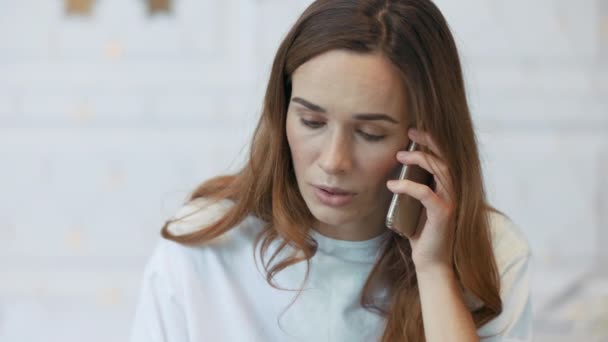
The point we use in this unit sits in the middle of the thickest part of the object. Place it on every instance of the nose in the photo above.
(336, 156)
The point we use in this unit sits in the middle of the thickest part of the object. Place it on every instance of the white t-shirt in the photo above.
(215, 292)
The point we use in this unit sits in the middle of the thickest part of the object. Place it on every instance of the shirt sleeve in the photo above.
(159, 316)
(514, 324)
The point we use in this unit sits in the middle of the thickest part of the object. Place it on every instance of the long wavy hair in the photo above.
(416, 38)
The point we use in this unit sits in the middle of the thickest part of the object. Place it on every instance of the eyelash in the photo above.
(316, 124)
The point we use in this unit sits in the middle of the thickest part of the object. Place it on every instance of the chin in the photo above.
(329, 215)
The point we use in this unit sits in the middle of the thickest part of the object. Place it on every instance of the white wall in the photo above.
(107, 122)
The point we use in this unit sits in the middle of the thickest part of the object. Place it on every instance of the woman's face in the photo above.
(345, 124)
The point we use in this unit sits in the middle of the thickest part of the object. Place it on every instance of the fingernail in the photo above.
(402, 154)
(391, 183)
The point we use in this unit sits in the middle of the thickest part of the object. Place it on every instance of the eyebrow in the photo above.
(359, 116)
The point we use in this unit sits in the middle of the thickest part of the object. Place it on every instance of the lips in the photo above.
(333, 199)
(335, 190)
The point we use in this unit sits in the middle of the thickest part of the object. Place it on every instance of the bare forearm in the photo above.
(444, 313)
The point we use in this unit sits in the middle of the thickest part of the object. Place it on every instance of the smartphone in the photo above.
(404, 210)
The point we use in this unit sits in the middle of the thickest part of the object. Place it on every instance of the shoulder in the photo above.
(513, 257)
(511, 253)
(174, 260)
(508, 241)
(165, 266)
(202, 212)
(196, 214)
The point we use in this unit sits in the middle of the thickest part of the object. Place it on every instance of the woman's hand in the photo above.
(432, 243)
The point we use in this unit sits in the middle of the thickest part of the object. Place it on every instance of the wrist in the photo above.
(435, 269)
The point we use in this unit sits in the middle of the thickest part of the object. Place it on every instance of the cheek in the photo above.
(383, 168)
(298, 145)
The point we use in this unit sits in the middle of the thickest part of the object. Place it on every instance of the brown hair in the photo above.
(415, 37)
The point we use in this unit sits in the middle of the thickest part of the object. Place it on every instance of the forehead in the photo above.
(347, 82)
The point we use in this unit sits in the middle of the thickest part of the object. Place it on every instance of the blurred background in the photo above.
(112, 111)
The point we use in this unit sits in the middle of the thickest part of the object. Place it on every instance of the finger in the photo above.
(434, 166)
(423, 138)
(421, 192)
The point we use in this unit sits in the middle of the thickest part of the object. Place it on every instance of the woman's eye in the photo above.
(318, 124)
(372, 137)
(312, 124)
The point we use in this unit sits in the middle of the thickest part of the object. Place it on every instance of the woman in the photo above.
(349, 83)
